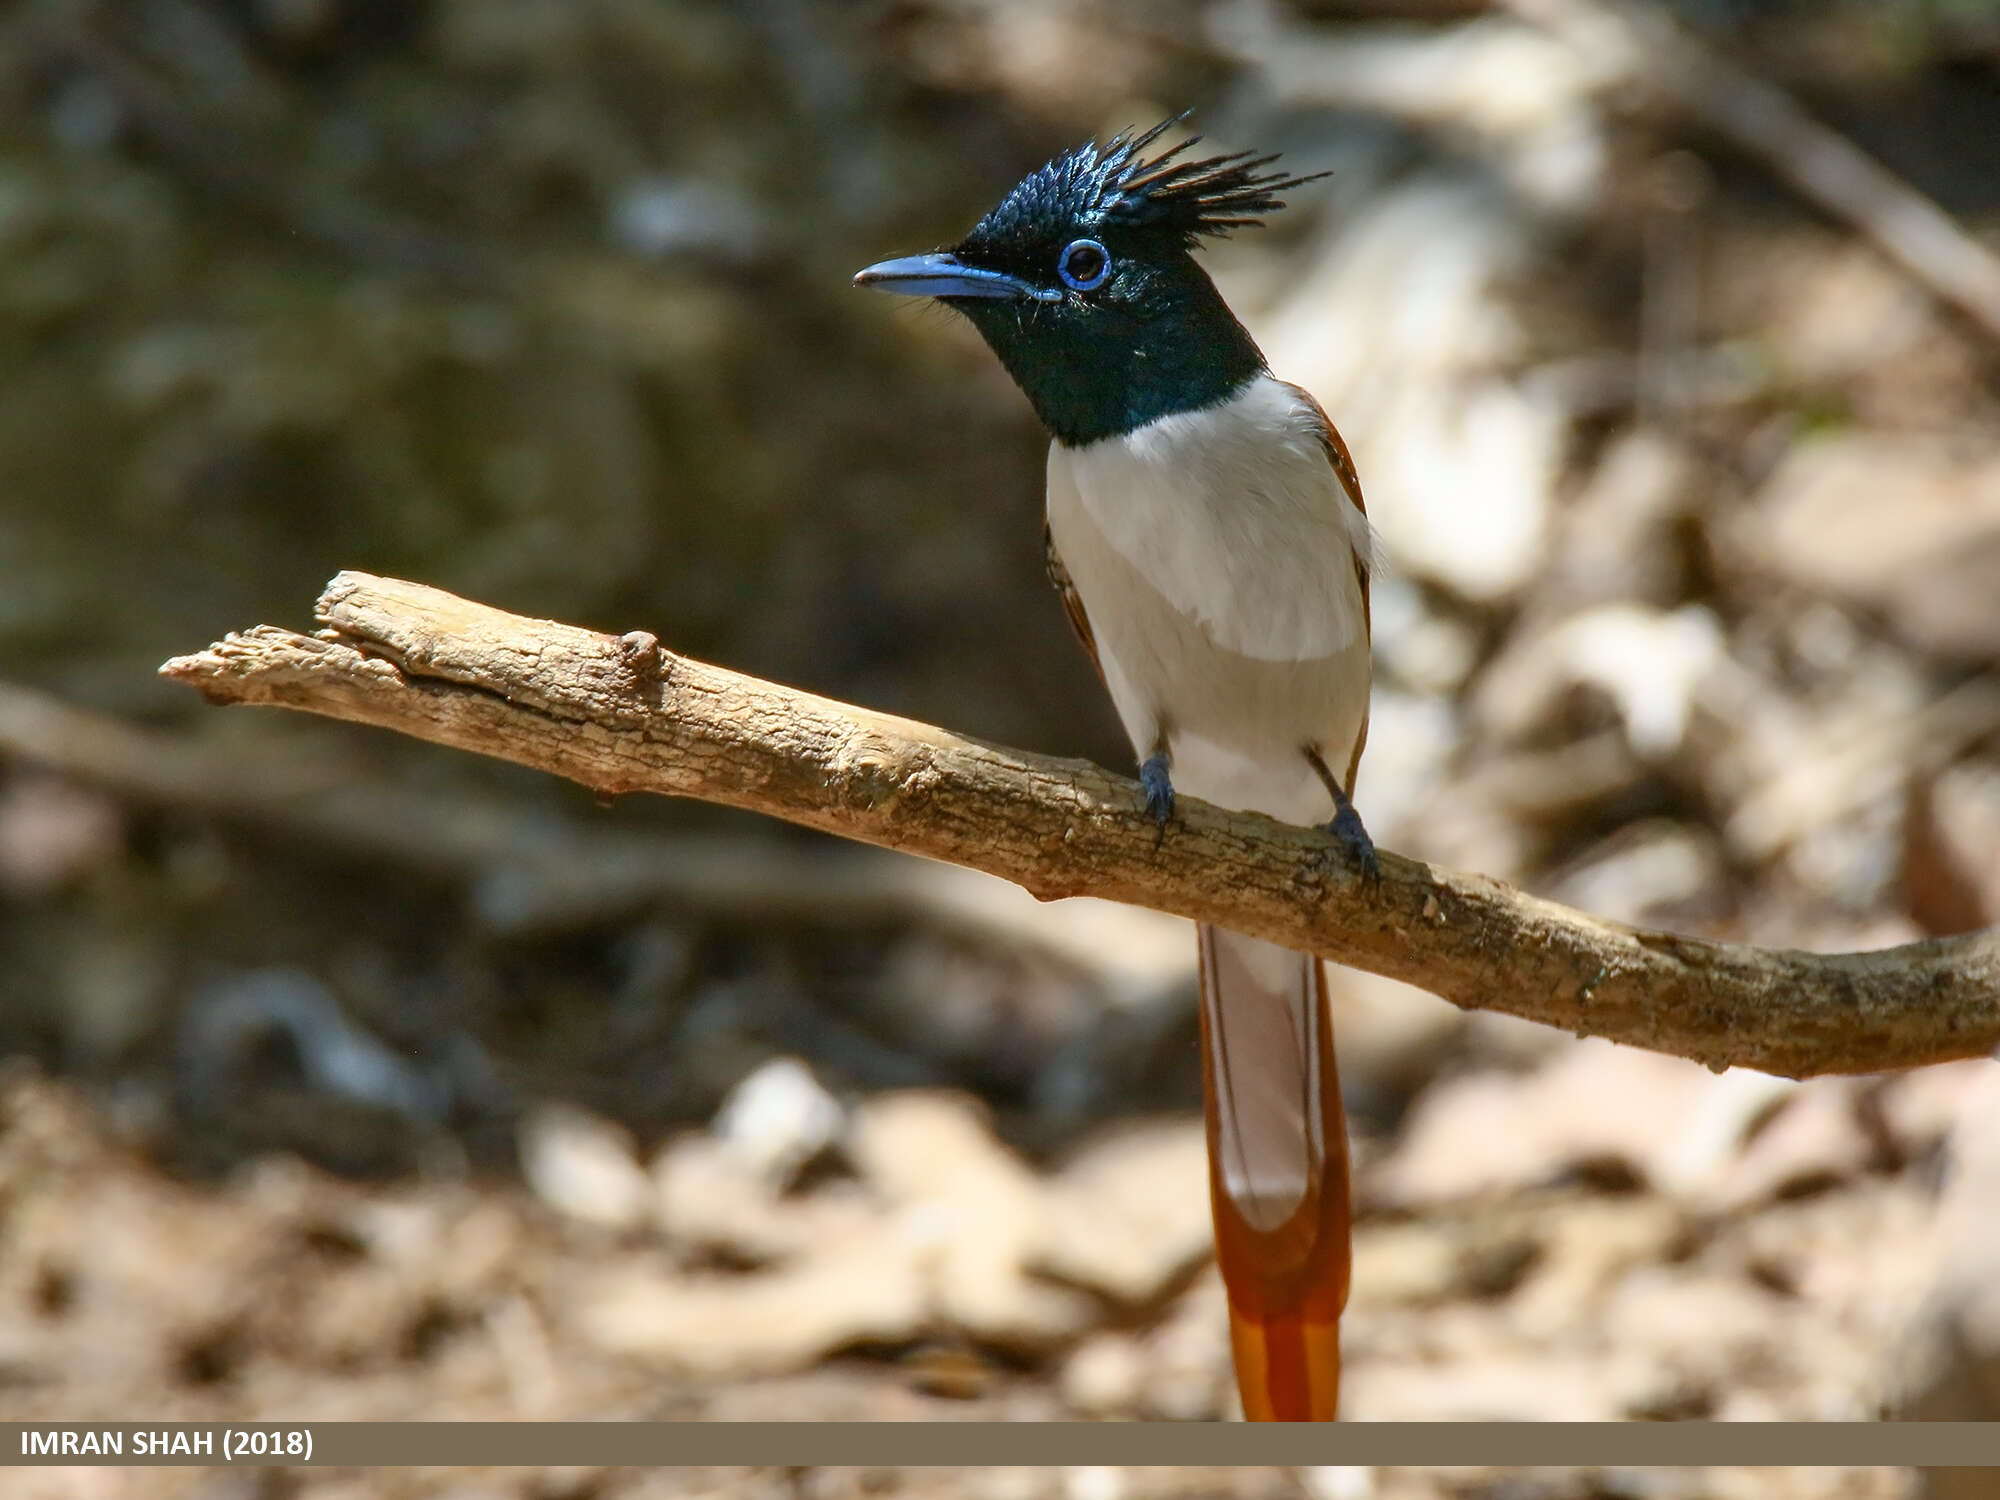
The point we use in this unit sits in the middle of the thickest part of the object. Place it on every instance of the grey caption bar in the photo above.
(764, 1444)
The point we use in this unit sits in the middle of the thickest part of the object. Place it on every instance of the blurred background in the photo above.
(347, 1077)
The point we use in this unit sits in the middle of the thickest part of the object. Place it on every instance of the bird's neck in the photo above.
(1186, 352)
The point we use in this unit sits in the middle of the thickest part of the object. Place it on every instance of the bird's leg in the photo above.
(1346, 825)
(1159, 788)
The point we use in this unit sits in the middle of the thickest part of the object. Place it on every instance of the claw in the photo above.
(1355, 845)
(1159, 789)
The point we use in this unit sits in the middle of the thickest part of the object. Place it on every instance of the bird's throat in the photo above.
(1094, 374)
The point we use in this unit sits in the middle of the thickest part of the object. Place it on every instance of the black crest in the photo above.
(1116, 184)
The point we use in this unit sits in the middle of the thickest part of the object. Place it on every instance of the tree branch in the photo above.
(620, 714)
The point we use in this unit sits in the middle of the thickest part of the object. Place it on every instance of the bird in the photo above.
(1206, 534)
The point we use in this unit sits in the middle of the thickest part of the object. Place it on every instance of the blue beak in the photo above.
(942, 275)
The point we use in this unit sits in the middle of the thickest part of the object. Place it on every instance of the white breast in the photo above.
(1235, 516)
(1214, 553)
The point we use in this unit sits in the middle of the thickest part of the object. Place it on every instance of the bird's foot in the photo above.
(1355, 846)
(1159, 789)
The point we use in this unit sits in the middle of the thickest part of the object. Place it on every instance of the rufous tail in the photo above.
(1277, 1172)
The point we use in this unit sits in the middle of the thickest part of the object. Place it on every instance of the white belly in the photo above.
(1214, 554)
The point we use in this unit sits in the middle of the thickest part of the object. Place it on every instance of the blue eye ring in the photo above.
(1095, 272)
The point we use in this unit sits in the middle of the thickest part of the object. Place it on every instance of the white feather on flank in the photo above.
(1214, 554)
(1285, 787)
(1234, 514)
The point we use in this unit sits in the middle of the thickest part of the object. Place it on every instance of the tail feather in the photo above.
(1277, 1141)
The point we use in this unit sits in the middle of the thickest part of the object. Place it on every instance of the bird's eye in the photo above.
(1084, 265)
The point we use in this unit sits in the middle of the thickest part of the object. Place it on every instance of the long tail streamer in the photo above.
(1277, 1172)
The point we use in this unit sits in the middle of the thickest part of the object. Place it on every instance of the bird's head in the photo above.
(1083, 281)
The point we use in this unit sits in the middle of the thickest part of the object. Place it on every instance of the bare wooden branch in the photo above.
(620, 714)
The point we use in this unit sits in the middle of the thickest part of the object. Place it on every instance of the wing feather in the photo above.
(1072, 602)
(1350, 482)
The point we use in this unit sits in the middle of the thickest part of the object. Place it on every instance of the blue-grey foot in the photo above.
(1355, 846)
(1159, 789)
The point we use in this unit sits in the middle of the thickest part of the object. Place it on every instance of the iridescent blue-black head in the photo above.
(1083, 282)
